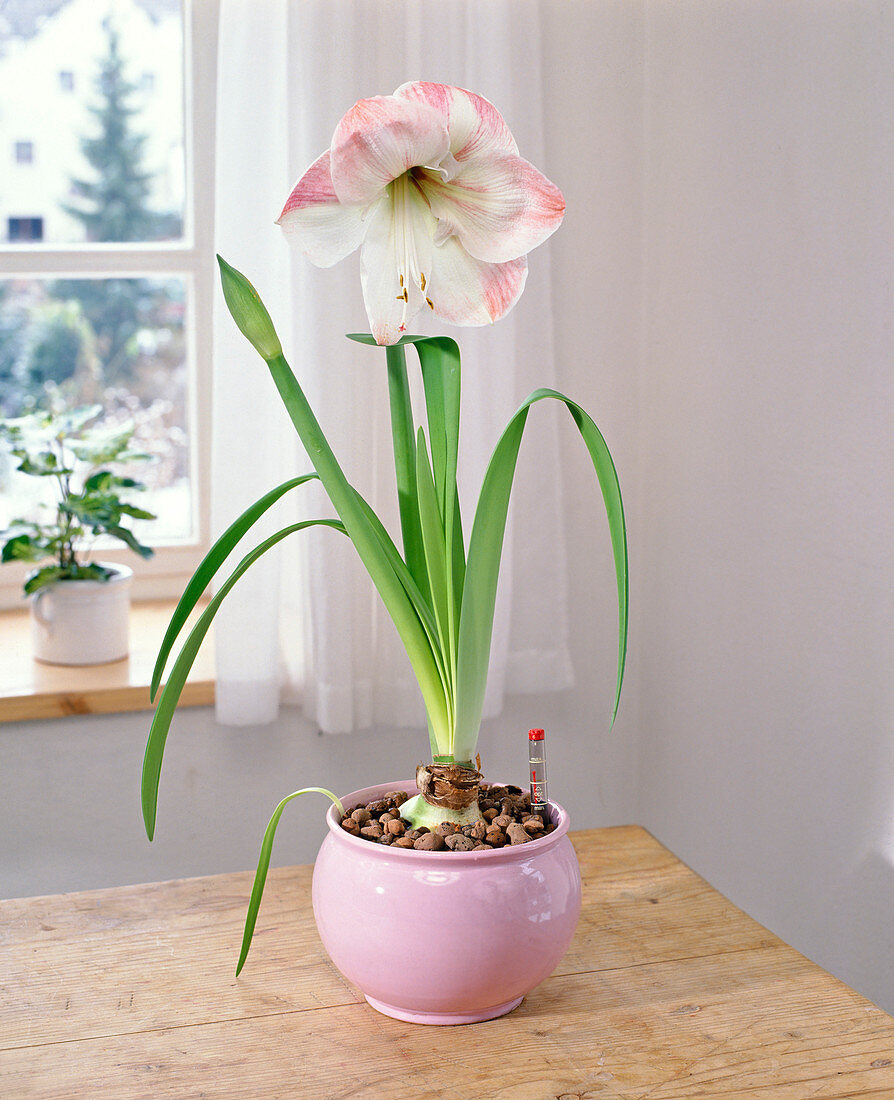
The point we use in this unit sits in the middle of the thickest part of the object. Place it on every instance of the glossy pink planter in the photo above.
(445, 937)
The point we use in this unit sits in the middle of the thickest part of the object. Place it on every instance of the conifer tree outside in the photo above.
(113, 206)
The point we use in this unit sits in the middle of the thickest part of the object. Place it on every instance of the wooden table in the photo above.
(667, 991)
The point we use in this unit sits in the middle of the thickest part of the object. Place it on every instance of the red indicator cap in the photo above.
(535, 735)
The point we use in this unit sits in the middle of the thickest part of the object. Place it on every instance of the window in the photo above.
(25, 229)
(106, 286)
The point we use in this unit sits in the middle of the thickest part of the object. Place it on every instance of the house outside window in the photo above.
(25, 229)
(113, 283)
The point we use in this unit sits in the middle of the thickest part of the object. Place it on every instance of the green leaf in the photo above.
(439, 359)
(104, 444)
(43, 464)
(424, 611)
(136, 513)
(22, 548)
(435, 554)
(40, 578)
(485, 549)
(104, 480)
(209, 565)
(170, 696)
(128, 537)
(405, 461)
(257, 890)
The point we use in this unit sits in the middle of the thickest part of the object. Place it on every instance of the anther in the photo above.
(431, 304)
(421, 281)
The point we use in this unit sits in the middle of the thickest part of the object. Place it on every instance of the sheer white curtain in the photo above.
(305, 624)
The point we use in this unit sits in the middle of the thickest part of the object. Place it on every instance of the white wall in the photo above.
(765, 639)
(725, 313)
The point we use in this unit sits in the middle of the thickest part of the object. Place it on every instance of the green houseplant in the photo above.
(79, 604)
(428, 184)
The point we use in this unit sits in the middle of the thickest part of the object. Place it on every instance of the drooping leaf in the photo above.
(170, 696)
(485, 549)
(104, 480)
(42, 577)
(22, 548)
(257, 890)
(209, 565)
(129, 538)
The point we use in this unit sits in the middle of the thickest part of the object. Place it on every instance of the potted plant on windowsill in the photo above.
(79, 607)
(429, 185)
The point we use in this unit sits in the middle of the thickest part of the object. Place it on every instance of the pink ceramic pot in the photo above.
(445, 937)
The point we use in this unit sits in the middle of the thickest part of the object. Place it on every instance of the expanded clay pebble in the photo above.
(506, 813)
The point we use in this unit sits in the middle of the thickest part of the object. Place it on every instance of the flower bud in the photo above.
(247, 309)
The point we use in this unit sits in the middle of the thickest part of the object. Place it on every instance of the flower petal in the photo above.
(316, 222)
(395, 264)
(466, 291)
(474, 124)
(500, 207)
(378, 140)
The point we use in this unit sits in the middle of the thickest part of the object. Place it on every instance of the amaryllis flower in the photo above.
(428, 184)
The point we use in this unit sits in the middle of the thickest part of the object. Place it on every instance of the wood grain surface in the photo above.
(667, 991)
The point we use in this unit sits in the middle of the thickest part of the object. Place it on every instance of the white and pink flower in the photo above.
(428, 184)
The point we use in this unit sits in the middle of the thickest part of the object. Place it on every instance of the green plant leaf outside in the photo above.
(257, 890)
(485, 550)
(164, 711)
(209, 566)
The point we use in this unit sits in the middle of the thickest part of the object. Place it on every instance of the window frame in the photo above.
(190, 258)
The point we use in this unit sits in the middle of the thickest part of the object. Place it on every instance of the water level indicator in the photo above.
(537, 765)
